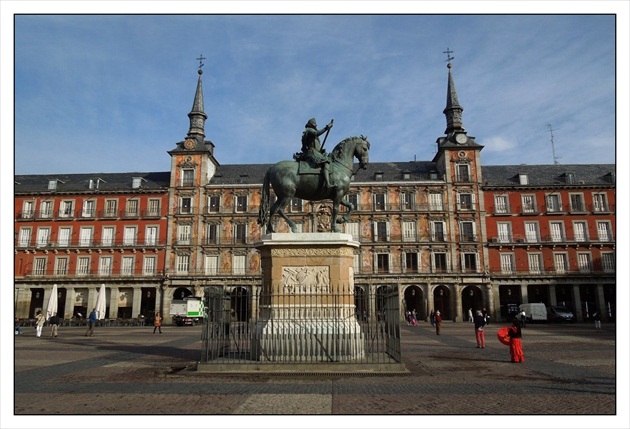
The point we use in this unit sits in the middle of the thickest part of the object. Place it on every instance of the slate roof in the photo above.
(110, 182)
(548, 175)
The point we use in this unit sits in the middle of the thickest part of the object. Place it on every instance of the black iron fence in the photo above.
(299, 328)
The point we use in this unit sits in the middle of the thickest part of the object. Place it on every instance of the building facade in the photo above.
(448, 234)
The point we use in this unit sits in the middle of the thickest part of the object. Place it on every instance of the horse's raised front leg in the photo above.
(346, 217)
(335, 213)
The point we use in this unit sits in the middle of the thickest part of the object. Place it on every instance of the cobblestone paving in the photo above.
(568, 370)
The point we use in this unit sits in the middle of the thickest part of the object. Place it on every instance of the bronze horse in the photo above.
(287, 183)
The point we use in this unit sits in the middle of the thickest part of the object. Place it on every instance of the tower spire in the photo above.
(197, 116)
(452, 111)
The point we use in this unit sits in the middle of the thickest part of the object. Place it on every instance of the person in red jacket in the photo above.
(516, 348)
(438, 322)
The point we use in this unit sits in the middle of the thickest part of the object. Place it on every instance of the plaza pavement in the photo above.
(569, 370)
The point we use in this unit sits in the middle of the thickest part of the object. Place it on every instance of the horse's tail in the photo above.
(263, 213)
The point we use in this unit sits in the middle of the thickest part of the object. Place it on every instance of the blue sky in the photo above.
(111, 93)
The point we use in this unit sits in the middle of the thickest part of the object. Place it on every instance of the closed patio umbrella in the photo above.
(101, 303)
(52, 302)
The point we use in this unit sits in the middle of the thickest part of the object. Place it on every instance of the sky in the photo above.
(111, 93)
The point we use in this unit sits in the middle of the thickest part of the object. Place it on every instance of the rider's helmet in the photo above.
(312, 123)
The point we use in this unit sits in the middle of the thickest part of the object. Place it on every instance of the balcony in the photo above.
(522, 240)
(90, 243)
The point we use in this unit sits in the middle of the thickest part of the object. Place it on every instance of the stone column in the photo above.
(69, 307)
(113, 303)
(457, 303)
(575, 292)
(524, 295)
(553, 300)
(137, 300)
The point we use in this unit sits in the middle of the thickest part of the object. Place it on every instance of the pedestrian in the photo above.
(432, 318)
(470, 315)
(598, 320)
(479, 332)
(523, 318)
(438, 322)
(516, 348)
(414, 317)
(18, 327)
(54, 325)
(91, 322)
(39, 323)
(486, 316)
(157, 322)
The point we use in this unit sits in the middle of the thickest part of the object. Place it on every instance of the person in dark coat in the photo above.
(480, 323)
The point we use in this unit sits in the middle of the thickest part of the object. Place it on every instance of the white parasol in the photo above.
(52, 302)
(101, 303)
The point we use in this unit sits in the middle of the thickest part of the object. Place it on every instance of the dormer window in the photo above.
(137, 182)
(406, 175)
(433, 175)
(378, 175)
(94, 183)
(523, 179)
(569, 178)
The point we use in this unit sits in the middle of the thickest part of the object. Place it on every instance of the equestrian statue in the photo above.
(314, 175)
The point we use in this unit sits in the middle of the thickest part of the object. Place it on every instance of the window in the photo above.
(185, 205)
(604, 232)
(437, 231)
(561, 262)
(554, 203)
(523, 179)
(470, 262)
(608, 262)
(465, 201)
(535, 263)
(296, 205)
(110, 208)
(379, 201)
(531, 232)
(411, 261)
(557, 231)
(182, 264)
(85, 237)
(569, 178)
(356, 263)
(211, 264)
(151, 236)
(28, 209)
(136, 182)
(127, 266)
(188, 177)
(183, 234)
(463, 173)
(505, 233)
(507, 263)
(105, 265)
(212, 233)
(83, 265)
(241, 203)
(107, 238)
(149, 265)
(354, 200)
(579, 231)
(436, 202)
(467, 230)
(600, 204)
(382, 262)
(214, 204)
(238, 264)
(66, 209)
(63, 237)
(129, 236)
(528, 203)
(381, 231)
(585, 264)
(352, 228)
(501, 204)
(46, 209)
(61, 266)
(240, 233)
(52, 185)
(407, 201)
(577, 203)
(409, 230)
(131, 209)
(24, 238)
(39, 266)
(89, 208)
(153, 207)
(440, 262)
(43, 237)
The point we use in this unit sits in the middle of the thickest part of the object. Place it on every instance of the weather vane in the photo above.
(201, 58)
(448, 53)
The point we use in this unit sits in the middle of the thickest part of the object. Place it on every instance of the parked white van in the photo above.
(534, 311)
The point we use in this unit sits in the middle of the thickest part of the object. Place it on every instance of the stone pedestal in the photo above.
(306, 307)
